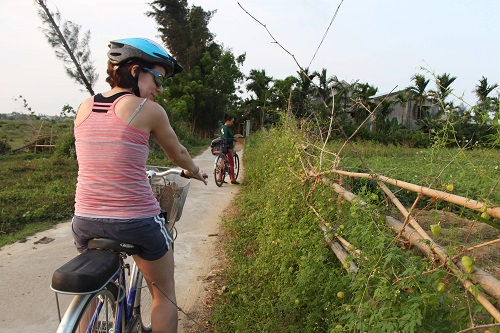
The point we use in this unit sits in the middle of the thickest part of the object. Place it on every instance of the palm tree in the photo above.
(418, 93)
(302, 93)
(485, 104)
(483, 89)
(324, 85)
(260, 85)
(362, 97)
(443, 83)
(281, 92)
(402, 99)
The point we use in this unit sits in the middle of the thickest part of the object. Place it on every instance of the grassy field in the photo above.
(18, 133)
(37, 190)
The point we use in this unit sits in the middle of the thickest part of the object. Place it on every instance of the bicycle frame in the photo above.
(222, 167)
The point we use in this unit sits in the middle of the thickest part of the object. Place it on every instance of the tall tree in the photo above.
(485, 105)
(184, 30)
(206, 89)
(443, 83)
(260, 85)
(324, 82)
(69, 47)
(301, 98)
(364, 103)
(282, 91)
(418, 93)
(483, 89)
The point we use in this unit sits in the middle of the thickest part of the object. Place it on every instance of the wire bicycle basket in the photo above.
(171, 192)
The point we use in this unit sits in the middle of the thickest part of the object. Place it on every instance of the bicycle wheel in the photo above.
(142, 304)
(92, 311)
(220, 170)
(236, 165)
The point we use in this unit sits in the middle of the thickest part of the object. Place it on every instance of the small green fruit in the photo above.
(436, 229)
(297, 302)
(470, 269)
(449, 187)
(467, 261)
(340, 294)
(441, 287)
(485, 216)
(346, 265)
(351, 247)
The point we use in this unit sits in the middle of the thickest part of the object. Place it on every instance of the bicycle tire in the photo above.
(236, 165)
(220, 170)
(83, 307)
(142, 304)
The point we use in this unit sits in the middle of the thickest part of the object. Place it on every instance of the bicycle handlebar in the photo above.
(173, 171)
(157, 174)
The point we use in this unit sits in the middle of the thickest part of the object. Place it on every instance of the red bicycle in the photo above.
(221, 164)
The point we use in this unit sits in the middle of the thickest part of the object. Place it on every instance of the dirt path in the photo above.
(28, 304)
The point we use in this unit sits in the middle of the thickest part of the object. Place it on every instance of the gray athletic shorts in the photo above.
(150, 233)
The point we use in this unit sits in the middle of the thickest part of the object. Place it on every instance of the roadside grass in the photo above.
(281, 277)
(37, 192)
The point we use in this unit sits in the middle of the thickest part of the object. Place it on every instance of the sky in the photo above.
(383, 43)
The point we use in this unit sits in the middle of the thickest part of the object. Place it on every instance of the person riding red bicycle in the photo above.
(227, 133)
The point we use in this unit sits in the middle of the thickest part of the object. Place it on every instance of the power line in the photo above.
(326, 33)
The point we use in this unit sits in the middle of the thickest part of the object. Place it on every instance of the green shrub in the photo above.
(65, 145)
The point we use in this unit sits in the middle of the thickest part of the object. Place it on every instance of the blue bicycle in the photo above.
(102, 301)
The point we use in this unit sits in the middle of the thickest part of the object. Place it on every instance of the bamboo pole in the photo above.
(348, 245)
(449, 197)
(339, 252)
(337, 249)
(472, 248)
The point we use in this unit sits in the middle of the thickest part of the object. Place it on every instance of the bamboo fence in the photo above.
(418, 237)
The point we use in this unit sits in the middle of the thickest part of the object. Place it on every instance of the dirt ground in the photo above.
(28, 304)
(463, 233)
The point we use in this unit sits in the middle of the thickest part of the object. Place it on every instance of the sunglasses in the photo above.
(160, 79)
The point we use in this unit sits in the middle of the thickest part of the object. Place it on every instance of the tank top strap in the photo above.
(136, 111)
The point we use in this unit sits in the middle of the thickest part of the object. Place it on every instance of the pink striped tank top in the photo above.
(112, 157)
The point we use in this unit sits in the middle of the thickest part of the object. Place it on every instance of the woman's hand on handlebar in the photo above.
(201, 175)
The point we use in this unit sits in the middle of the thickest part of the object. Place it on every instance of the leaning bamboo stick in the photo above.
(339, 251)
(437, 250)
(472, 248)
(452, 198)
(348, 245)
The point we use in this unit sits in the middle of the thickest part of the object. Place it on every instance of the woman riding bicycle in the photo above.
(227, 133)
(113, 197)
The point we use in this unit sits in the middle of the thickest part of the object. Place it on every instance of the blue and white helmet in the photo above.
(122, 50)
